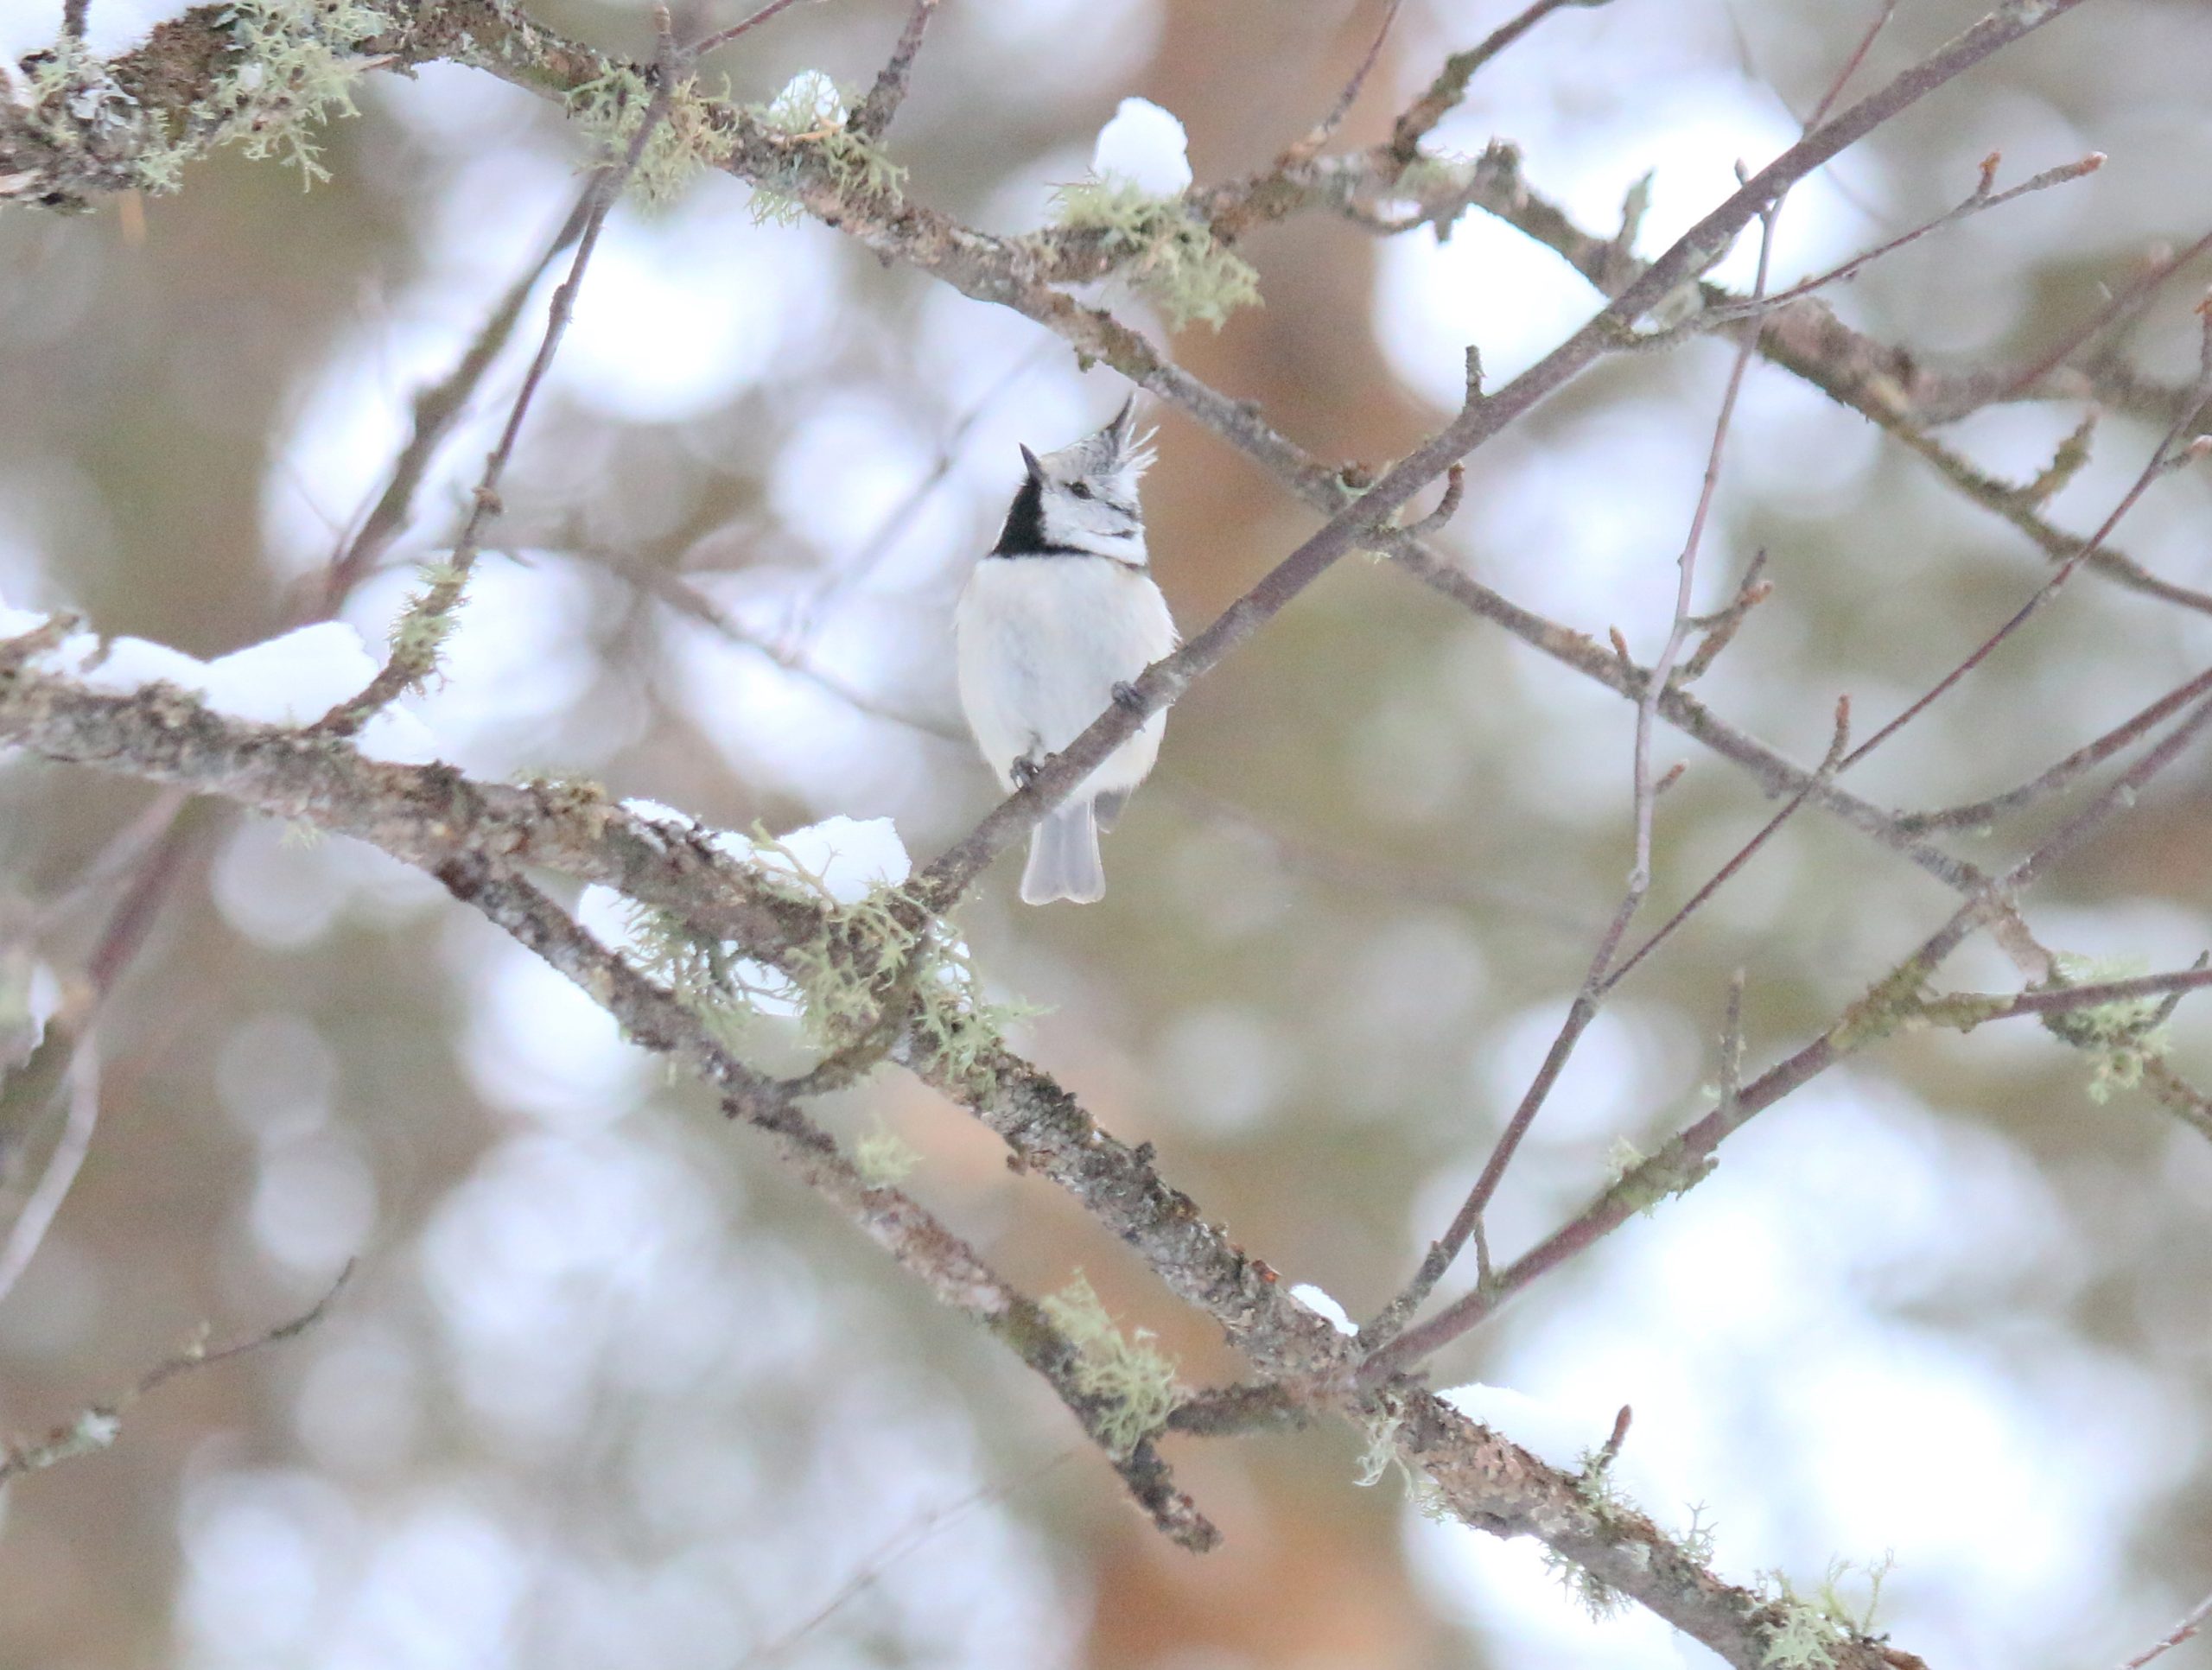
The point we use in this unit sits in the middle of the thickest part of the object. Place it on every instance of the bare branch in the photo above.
(1326, 129)
(1891, 1001)
(415, 638)
(723, 37)
(95, 1428)
(1977, 813)
(2198, 1615)
(955, 1274)
(438, 409)
(1825, 774)
(874, 118)
(2161, 459)
(28, 1230)
(1981, 198)
(1450, 86)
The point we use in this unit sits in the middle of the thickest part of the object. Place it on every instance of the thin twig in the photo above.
(1978, 813)
(1892, 1000)
(1450, 85)
(2119, 306)
(679, 594)
(30, 1226)
(406, 667)
(2161, 458)
(1662, 670)
(897, 1548)
(95, 1427)
(1851, 64)
(2198, 1615)
(723, 37)
(1721, 628)
(73, 18)
(1967, 1010)
(1326, 129)
(881, 105)
(1744, 856)
(1455, 487)
(1981, 199)
(811, 610)
(437, 410)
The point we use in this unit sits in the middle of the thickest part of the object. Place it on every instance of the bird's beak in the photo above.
(1029, 462)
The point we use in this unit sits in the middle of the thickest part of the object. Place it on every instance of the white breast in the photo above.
(1042, 641)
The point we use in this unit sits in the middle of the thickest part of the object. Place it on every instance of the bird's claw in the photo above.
(1127, 695)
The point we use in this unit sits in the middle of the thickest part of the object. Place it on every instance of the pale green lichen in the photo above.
(1810, 1632)
(1131, 1378)
(1161, 247)
(883, 1158)
(877, 967)
(1594, 1485)
(1642, 1183)
(419, 636)
(290, 70)
(293, 76)
(1382, 1457)
(695, 130)
(2120, 1040)
(811, 123)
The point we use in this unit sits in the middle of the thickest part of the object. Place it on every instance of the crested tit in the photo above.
(1058, 614)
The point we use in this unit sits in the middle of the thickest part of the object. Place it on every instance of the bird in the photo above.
(1053, 623)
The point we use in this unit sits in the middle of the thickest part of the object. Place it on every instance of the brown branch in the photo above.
(1967, 1010)
(1662, 670)
(1450, 85)
(1851, 64)
(1744, 854)
(424, 816)
(2124, 303)
(2199, 1614)
(955, 1274)
(723, 37)
(1978, 813)
(875, 116)
(441, 822)
(1326, 129)
(1981, 198)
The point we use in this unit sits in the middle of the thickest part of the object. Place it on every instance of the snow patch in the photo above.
(1321, 1304)
(1146, 146)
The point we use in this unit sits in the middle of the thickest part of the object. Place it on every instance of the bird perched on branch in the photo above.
(1055, 621)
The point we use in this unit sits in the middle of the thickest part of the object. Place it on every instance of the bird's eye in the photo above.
(1080, 489)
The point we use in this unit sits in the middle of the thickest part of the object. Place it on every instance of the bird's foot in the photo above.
(1126, 696)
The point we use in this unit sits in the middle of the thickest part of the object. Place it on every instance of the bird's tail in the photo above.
(1063, 858)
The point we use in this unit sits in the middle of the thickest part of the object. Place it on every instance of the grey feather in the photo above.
(1064, 861)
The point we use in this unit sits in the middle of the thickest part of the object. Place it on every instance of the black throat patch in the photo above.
(1024, 533)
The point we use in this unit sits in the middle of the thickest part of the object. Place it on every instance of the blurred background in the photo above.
(605, 1391)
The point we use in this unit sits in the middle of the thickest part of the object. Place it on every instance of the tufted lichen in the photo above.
(1126, 1371)
(809, 122)
(1165, 250)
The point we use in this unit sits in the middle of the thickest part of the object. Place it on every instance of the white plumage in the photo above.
(1059, 613)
